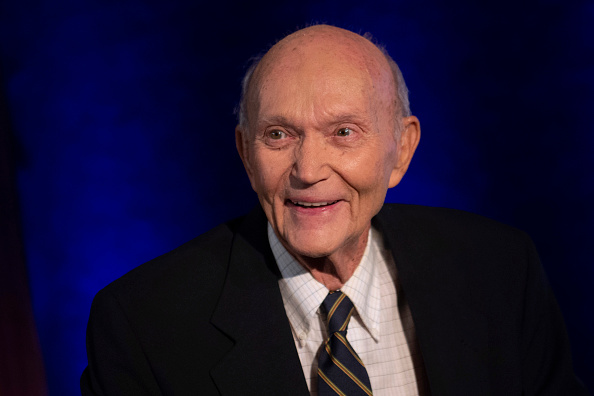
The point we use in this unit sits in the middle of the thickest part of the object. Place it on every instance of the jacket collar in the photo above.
(450, 331)
(250, 311)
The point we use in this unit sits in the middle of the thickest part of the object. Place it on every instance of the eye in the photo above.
(343, 132)
(277, 134)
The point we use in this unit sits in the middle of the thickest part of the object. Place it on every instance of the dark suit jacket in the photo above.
(208, 317)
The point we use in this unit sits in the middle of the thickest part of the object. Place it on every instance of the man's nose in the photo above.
(311, 160)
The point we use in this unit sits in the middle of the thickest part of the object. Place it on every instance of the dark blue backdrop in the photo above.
(123, 114)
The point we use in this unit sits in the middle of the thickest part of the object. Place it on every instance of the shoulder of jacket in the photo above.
(449, 224)
(202, 261)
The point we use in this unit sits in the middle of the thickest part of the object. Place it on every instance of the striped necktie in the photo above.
(340, 370)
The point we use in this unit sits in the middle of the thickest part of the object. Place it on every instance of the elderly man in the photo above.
(324, 289)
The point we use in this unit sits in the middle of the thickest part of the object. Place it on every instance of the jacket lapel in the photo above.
(450, 333)
(250, 311)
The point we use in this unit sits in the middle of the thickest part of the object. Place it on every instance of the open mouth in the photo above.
(312, 204)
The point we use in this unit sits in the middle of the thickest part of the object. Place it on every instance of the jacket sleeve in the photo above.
(546, 354)
(117, 364)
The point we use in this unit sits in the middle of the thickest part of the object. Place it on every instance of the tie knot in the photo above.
(339, 309)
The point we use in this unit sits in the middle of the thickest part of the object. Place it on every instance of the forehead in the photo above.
(332, 67)
(328, 79)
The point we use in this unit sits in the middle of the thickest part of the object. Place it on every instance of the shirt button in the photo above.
(302, 336)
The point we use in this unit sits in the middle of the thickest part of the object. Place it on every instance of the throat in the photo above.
(331, 274)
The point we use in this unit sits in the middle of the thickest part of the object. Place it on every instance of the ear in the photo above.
(406, 146)
(242, 144)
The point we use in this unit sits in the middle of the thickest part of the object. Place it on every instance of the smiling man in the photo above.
(323, 137)
(324, 289)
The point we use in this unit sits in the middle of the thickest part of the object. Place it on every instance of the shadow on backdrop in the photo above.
(21, 365)
(124, 112)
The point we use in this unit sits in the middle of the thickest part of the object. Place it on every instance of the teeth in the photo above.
(312, 204)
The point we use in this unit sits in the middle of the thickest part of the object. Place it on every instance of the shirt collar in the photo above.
(303, 295)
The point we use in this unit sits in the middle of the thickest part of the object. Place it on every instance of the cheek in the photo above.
(368, 174)
(268, 174)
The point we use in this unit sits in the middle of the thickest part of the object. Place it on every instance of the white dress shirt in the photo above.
(381, 332)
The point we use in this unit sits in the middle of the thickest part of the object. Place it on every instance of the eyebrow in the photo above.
(276, 119)
(338, 119)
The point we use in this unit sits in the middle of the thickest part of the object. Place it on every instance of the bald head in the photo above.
(314, 48)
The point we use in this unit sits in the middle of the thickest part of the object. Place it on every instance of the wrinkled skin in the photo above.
(321, 148)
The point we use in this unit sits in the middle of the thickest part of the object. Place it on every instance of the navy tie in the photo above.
(340, 370)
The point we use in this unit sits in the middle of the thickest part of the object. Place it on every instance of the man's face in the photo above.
(321, 150)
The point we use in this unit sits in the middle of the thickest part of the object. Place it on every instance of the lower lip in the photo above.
(313, 210)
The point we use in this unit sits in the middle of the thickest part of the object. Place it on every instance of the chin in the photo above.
(311, 246)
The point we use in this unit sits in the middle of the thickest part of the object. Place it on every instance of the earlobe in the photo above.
(243, 150)
(407, 144)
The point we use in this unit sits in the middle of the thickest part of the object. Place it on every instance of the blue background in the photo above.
(123, 115)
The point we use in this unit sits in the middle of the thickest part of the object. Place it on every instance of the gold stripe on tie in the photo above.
(330, 383)
(346, 322)
(350, 374)
(346, 344)
(336, 304)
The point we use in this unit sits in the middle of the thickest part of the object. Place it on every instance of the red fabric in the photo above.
(21, 364)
